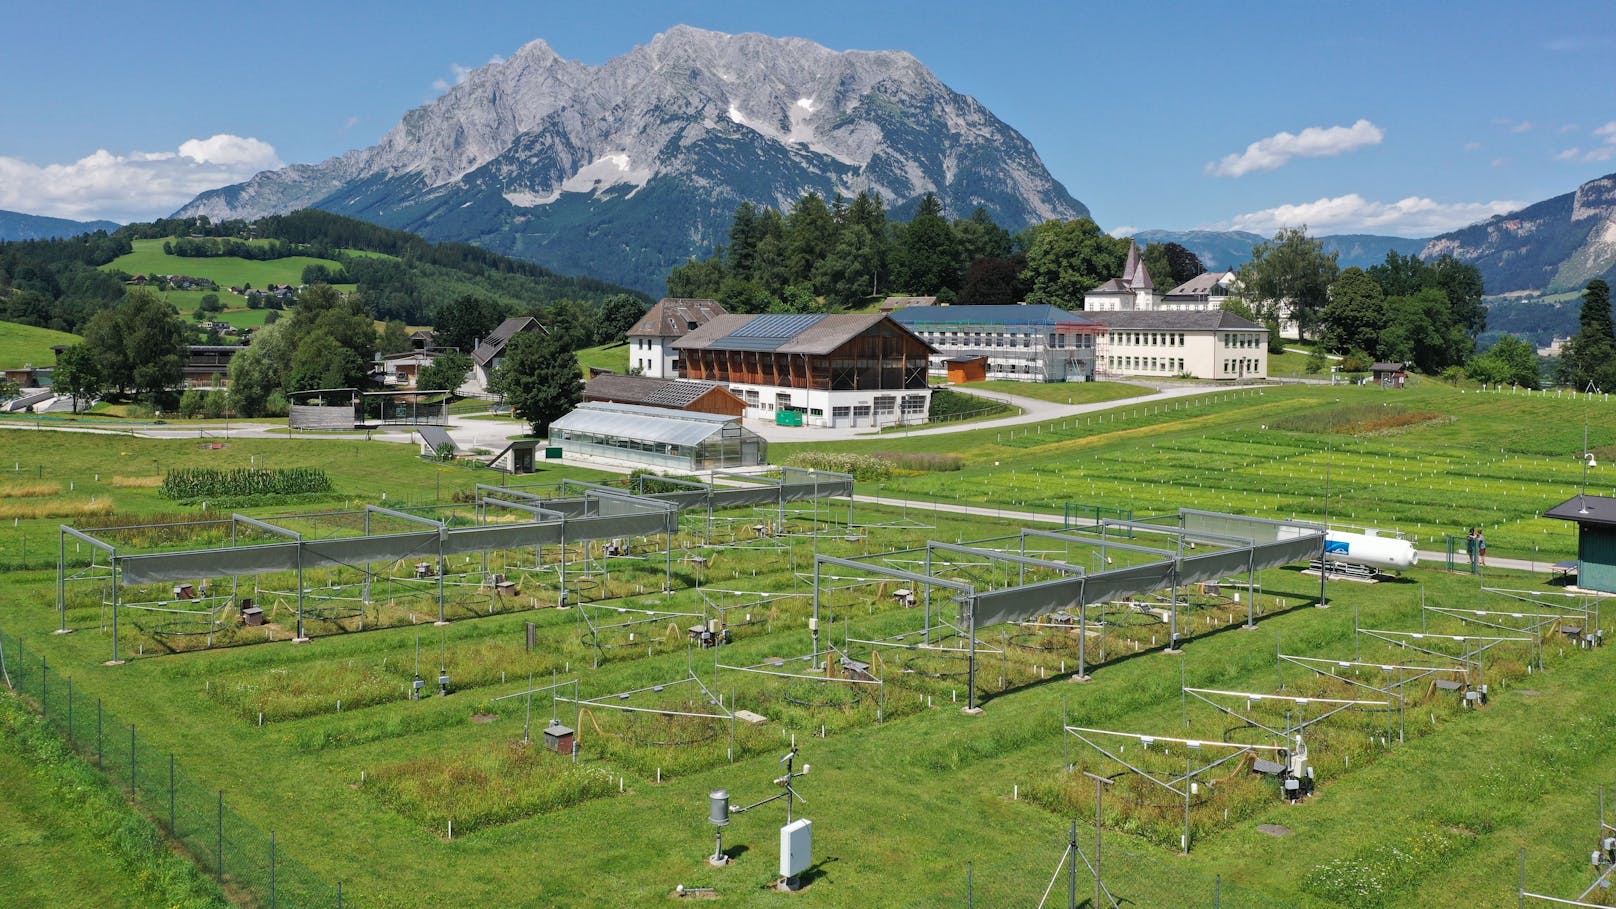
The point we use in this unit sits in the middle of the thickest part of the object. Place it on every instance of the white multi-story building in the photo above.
(650, 341)
(1201, 344)
(1025, 343)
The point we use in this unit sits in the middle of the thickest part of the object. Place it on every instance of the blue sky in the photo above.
(1400, 118)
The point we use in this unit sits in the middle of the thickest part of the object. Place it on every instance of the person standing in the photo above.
(1481, 547)
(1470, 547)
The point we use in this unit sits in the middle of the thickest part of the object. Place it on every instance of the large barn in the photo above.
(816, 370)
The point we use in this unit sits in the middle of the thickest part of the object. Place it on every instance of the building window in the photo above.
(914, 404)
(886, 405)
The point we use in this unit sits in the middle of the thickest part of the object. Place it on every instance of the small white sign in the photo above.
(796, 847)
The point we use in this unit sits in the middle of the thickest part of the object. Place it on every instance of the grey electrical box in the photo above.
(718, 807)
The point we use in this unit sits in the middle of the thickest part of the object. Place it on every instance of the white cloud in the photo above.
(1568, 128)
(133, 186)
(1415, 216)
(1126, 230)
(1314, 142)
(1472, 146)
(350, 123)
(460, 73)
(1603, 152)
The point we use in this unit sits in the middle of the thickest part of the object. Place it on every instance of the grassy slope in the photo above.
(148, 257)
(900, 808)
(608, 356)
(25, 344)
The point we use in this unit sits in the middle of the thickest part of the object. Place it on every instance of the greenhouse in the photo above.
(657, 437)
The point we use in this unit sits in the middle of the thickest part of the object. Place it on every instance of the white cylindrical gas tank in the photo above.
(1369, 549)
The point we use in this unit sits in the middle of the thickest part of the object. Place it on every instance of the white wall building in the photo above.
(1023, 343)
(650, 341)
(1205, 344)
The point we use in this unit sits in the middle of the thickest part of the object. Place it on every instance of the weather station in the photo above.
(796, 837)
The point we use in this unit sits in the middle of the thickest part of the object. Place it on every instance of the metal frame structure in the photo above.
(1178, 785)
(1266, 544)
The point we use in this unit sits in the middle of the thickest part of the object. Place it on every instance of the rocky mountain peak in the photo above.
(691, 123)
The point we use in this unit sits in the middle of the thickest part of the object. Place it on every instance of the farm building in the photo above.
(825, 370)
(670, 319)
(491, 351)
(402, 368)
(657, 437)
(1206, 344)
(1389, 375)
(1595, 517)
(1020, 343)
(675, 394)
(208, 365)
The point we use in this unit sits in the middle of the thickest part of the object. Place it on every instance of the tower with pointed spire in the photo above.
(1133, 291)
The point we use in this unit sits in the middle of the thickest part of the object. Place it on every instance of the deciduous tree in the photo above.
(1355, 315)
(446, 373)
(1290, 275)
(539, 378)
(1066, 259)
(77, 374)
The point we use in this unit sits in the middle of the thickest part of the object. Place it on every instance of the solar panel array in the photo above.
(766, 332)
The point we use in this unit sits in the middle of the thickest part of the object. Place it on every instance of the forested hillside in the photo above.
(61, 284)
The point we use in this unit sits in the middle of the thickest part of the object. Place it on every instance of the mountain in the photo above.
(1232, 248)
(624, 170)
(1557, 244)
(15, 225)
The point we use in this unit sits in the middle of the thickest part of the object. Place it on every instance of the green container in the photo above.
(788, 418)
(554, 452)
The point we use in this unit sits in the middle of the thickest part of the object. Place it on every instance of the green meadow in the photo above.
(910, 799)
(22, 345)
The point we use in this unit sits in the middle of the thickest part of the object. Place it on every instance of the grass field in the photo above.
(904, 790)
(148, 258)
(1060, 392)
(22, 345)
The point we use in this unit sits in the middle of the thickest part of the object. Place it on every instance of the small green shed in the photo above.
(1595, 517)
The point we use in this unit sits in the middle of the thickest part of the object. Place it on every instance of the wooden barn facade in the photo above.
(824, 370)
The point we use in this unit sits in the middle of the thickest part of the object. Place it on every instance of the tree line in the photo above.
(820, 257)
(1427, 314)
(59, 284)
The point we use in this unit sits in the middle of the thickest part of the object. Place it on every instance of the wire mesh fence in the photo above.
(240, 856)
